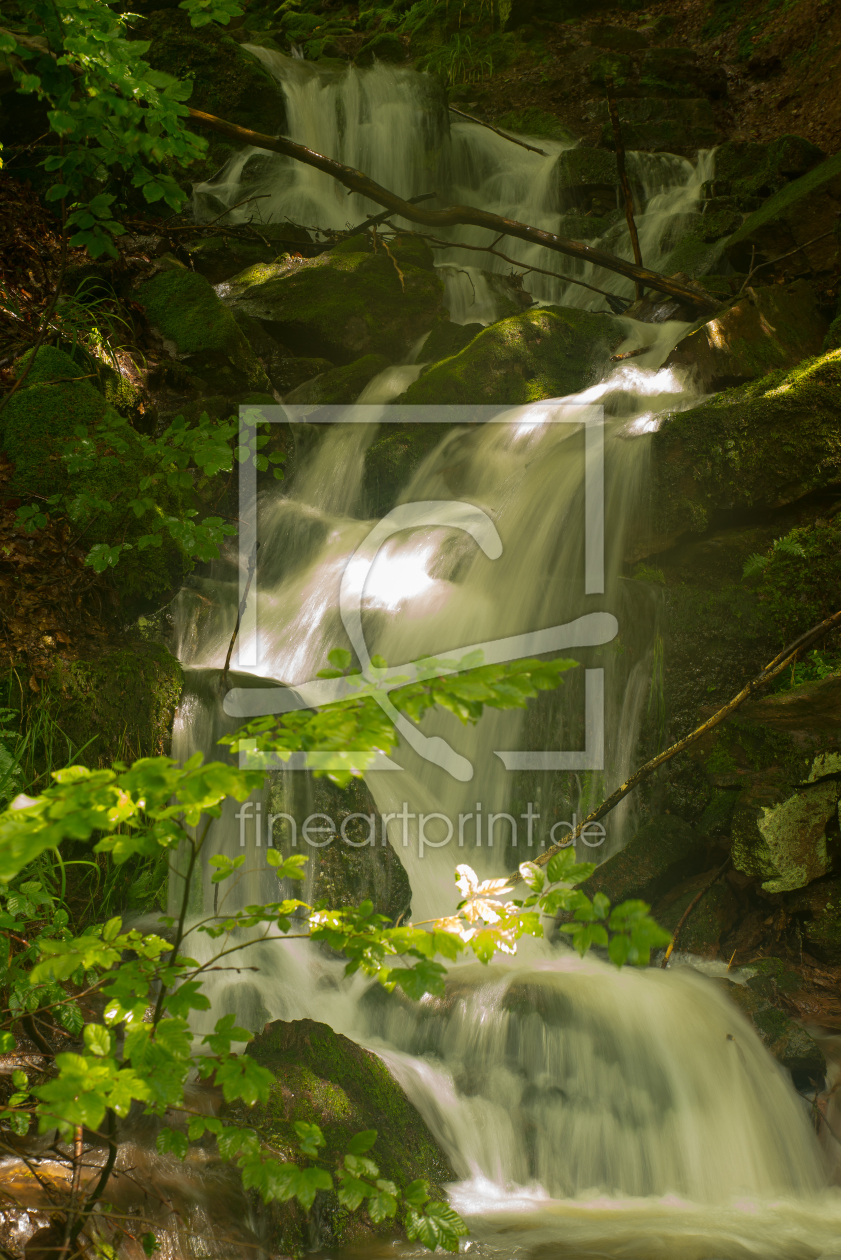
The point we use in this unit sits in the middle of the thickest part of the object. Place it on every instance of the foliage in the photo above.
(363, 721)
(128, 1056)
(756, 564)
(459, 62)
(141, 466)
(108, 109)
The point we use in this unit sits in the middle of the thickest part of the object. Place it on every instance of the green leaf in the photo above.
(362, 1142)
(97, 1039)
(172, 1142)
(7, 1043)
(438, 1226)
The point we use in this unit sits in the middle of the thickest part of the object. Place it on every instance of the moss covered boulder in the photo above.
(542, 353)
(819, 909)
(708, 921)
(200, 331)
(764, 330)
(349, 302)
(661, 124)
(745, 169)
(118, 707)
(790, 1044)
(789, 223)
(447, 339)
(341, 385)
(587, 180)
(761, 445)
(663, 851)
(325, 1079)
(228, 80)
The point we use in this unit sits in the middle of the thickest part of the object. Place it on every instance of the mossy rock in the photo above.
(751, 169)
(447, 339)
(711, 918)
(228, 81)
(611, 65)
(693, 257)
(790, 1044)
(675, 72)
(341, 385)
(184, 308)
(383, 47)
(119, 707)
(664, 850)
(761, 445)
(764, 330)
(821, 926)
(660, 124)
(801, 211)
(219, 257)
(289, 374)
(586, 180)
(533, 121)
(323, 1078)
(350, 302)
(617, 38)
(543, 353)
(391, 460)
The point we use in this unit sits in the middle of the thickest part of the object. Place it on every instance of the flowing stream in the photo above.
(586, 1112)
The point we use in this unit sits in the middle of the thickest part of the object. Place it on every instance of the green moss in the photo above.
(350, 302)
(118, 707)
(750, 169)
(533, 121)
(832, 340)
(383, 47)
(763, 444)
(785, 202)
(543, 353)
(324, 1078)
(341, 385)
(186, 310)
(694, 257)
(800, 590)
(447, 339)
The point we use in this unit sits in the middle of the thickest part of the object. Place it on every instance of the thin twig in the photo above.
(361, 183)
(491, 127)
(771, 261)
(771, 671)
(230, 209)
(623, 180)
(693, 903)
(240, 614)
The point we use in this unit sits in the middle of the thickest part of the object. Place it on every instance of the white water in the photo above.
(586, 1113)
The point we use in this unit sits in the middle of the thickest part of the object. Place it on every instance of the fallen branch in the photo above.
(770, 262)
(358, 182)
(693, 903)
(768, 674)
(623, 178)
(491, 127)
(618, 305)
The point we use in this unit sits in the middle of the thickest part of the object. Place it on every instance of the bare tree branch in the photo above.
(361, 183)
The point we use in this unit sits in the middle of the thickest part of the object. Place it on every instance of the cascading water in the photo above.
(586, 1112)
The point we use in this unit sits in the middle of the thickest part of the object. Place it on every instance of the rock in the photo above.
(341, 385)
(227, 80)
(766, 329)
(780, 833)
(447, 339)
(748, 169)
(383, 47)
(675, 72)
(616, 38)
(349, 302)
(801, 211)
(790, 1044)
(820, 903)
(204, 334)
(653, 123)
(663, 851)
(544, 353)
(533, 121)
(708, 922)
(587, 180)
(813, 707)
(120, 705)
(392, 458)
(50, 405)
(761, 445)
(612, 65)
(287, 374)
(325, 1079)
(583, 227)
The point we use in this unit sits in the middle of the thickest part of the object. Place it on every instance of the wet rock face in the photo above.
(765, 329)
(545, 353)
(796, 216)
(664, 850)
(347, 303)
(323, 1078)
(790, 1044)
(762, 445)
(341, 385)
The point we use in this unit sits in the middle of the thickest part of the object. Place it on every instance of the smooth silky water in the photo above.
(586, 1112)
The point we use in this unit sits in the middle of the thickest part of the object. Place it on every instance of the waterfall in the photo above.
(586, 1112)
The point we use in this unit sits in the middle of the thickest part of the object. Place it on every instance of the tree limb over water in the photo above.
(361, 183)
